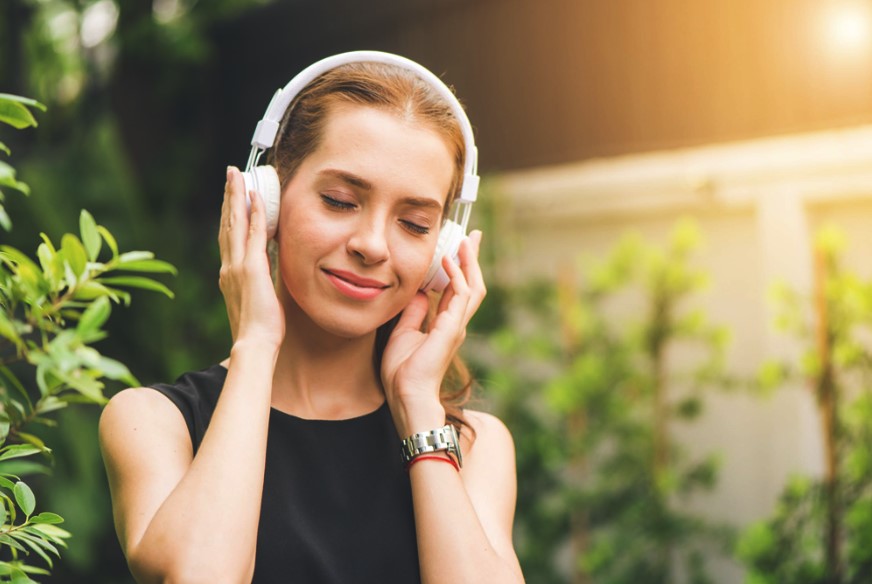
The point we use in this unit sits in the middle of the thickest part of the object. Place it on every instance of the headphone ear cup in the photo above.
(265, 181)
(450, 236)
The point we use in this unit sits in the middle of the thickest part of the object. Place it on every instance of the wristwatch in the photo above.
(444, 438)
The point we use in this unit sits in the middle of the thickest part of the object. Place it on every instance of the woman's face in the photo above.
(360, 219)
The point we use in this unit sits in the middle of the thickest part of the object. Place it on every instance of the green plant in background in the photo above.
(821, 529)
(514, 361)
(51, 311)
(611, 480)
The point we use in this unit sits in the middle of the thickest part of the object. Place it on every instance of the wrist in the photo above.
(254, 349)
(419, 416)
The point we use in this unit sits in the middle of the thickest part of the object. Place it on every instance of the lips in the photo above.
(356, 280)
(353, 286)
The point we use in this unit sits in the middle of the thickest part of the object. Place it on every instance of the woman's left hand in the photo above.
(415, 362)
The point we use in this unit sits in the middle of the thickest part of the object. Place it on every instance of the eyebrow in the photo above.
(348, 178)
(363, 184)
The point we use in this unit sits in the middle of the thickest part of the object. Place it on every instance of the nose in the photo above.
(368, 242)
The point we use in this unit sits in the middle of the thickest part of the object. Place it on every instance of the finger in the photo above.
(223, 244)
(469, 264)
(447, 295)
(414, 314)
(256, 225)
(454, 306)
(237, 217)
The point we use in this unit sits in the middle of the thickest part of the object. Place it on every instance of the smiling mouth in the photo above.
(356, 281)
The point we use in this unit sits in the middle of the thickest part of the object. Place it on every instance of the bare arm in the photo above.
(464, 520)
(186, 518)
(182, 518)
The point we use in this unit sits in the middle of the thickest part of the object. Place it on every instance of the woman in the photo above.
(282, 464)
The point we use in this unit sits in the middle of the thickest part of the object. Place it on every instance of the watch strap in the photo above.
(444, 438)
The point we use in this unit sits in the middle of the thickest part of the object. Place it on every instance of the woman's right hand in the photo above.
(249, 293)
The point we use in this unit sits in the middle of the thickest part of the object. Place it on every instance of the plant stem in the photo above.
(827, 395)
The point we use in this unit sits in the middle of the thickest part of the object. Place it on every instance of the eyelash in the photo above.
(415, 228)
(336, 203)
(345, 206)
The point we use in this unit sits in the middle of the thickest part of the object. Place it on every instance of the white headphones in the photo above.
(265, 180)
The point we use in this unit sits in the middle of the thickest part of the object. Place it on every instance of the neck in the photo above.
(323, 376)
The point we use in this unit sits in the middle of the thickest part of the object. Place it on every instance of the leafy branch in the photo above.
(52, 309)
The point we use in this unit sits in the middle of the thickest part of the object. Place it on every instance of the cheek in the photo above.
(414, 260)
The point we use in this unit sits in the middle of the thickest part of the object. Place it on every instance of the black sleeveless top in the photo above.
(337, 503)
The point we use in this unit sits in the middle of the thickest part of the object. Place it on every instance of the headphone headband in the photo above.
(268, 127)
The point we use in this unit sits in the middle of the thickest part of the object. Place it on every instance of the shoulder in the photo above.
(489, 455)
(140, 410)
(490, 432)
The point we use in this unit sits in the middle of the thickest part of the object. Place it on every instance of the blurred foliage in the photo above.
(590, 377)
(820, 530)
(51, 311)
(108, 69)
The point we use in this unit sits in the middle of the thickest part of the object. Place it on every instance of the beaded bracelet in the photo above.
(449, 460)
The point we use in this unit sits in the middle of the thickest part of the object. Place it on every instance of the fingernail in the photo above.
(229, 173)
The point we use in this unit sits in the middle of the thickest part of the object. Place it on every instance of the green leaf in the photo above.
(5, 221)
(157, 266)
(90, 235)
(35, 570)
(109, 239)
(7, 179)
(5, 149)
(49, 404)
(116, 370)
(19, 577)
(46, 517)
(15, 259)
(2, 514)
(135, 256)
(22, 100)
(33, 440)
(10, 506)
(24, 497)
(138, 282)
(74, 253)
(94, 316)
(27, 541)
(9, 376)
(7, 329)
(53, 532)
(18, 451)
(6, 540)
(39, 539)
(6, 483)
(47, 260)
(15, 114)
(91, 290)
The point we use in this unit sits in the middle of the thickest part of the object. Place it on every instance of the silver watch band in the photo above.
(444, 438)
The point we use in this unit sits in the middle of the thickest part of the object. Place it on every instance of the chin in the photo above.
(347, 328)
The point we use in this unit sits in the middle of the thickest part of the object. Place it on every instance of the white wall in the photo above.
(758, 204)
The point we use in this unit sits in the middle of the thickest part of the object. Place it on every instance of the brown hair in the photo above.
(401, 92)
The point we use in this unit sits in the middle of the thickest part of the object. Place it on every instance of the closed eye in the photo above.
(336, 203)
(415, 227)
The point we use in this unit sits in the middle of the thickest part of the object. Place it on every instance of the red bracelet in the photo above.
(448, 459)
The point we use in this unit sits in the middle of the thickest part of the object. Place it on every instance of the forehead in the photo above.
(391, 151)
